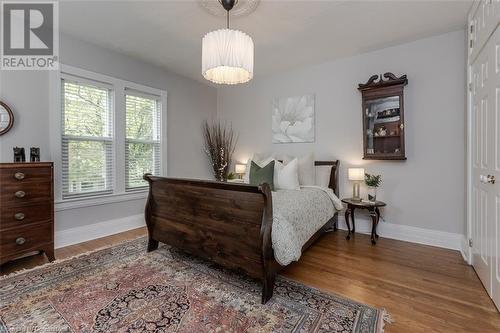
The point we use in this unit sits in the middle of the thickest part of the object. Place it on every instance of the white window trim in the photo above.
(118, 89)
(69, 204)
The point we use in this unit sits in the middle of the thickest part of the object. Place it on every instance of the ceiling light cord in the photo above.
(228, 5)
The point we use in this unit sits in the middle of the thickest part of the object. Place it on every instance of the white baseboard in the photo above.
(408, 233)
(97, 230)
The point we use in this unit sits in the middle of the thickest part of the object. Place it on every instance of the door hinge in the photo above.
(470, 86)
(470, 242)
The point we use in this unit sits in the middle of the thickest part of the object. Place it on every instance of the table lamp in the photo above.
(356, 175)
(240, 169)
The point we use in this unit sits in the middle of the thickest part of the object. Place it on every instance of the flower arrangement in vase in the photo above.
(220, 142)
(373, 182)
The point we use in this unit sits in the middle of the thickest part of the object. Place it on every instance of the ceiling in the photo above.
(286, 34)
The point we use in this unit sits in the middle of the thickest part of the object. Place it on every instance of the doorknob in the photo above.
(483, 179)
(490, 179)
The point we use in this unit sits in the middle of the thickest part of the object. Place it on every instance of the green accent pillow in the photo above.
(262, 175)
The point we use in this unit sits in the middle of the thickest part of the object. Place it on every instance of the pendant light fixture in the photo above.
(227, 55)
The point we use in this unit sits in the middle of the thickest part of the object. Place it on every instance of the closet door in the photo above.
(493, 184)
(485, 169)
(481, 160)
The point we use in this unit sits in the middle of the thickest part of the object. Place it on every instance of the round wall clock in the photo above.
(6, 118)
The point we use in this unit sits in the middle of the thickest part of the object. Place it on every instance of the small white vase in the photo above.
(372, 193)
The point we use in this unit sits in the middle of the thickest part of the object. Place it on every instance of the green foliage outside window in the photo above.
(142, 131)
(86, 138)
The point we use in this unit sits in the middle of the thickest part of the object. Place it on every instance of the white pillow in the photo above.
(306, 168)
(286, 177)
(260, 160)
(323, 175)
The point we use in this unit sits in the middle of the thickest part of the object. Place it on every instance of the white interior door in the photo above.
(480, 101)
(493, 186)
(485, 109)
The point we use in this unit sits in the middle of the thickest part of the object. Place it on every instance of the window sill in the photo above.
(99, 200)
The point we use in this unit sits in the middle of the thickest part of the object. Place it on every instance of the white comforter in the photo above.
(297, 215)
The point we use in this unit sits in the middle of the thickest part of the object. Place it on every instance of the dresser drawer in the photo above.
(24, 239)
(18, 194)
(13, 217)
(25, 175)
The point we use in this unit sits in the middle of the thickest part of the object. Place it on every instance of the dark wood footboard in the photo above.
(229, 224)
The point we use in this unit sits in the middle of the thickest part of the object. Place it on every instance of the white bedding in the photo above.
(297, 215)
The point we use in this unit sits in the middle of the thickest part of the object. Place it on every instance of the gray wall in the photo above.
(189, 103)
(428, 189)
(27, 94)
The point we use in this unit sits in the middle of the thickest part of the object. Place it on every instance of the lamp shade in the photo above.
(356, 173)
(227, 57)
(240, 168)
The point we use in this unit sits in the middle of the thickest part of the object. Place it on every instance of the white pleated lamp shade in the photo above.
(227, 57)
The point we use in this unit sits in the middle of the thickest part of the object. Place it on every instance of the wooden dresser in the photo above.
(26, 209)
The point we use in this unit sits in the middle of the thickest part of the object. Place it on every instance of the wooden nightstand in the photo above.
(372, 207)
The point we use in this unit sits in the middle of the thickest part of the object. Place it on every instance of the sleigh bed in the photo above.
(229, 224)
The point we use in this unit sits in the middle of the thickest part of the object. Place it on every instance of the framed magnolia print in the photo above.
(293, 119)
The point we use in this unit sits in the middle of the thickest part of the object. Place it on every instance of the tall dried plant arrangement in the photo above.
(220, 142)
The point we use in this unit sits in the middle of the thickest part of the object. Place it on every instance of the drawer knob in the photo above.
(19, 216)
(19, 175)
(20, 194)
(20, 240)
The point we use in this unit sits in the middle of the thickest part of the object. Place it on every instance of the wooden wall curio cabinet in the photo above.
(383, 117)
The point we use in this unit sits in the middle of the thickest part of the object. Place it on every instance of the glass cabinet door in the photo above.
(383, 127)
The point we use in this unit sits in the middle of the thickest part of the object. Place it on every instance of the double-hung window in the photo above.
(87, 137)
(142, 141)
(111, 135)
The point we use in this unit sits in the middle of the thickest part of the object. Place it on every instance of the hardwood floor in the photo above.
(425, 289)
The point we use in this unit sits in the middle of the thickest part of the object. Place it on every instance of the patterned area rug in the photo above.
(125, 289)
